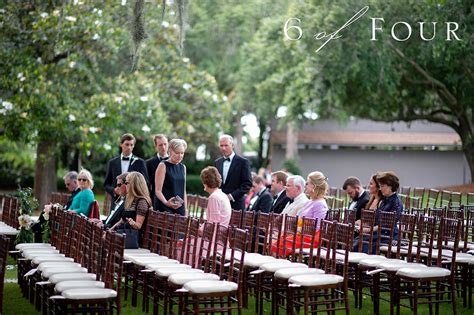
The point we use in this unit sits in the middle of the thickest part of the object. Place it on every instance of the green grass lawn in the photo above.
(15, 304)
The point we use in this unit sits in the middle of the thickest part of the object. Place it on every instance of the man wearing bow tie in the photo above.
(359, 196)
(125, 162)
(161, 147)
(235, 172)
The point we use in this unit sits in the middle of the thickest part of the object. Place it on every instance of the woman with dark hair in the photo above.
(389, 184)
(218, 204)
(375, 193)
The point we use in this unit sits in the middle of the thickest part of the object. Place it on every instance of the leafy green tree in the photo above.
(382, 79)
(66, 83)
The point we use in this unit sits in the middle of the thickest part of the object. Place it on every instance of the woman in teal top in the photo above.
(82, 201)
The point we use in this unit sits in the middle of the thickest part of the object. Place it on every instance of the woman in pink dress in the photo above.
(218, 204)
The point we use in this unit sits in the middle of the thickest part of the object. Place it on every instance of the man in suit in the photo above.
(115, 212)
(161, 147)
(278, 191)
(235, 172)
(70, 181)
(125, 162)
(262, 200)
(295, 191)
(356, 192)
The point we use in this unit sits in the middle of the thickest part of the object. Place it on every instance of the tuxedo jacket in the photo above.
(263, 203)
(114, 217)
(114, 169)
(151, 166)
(361, 204)
(280, 203)
(238, 181)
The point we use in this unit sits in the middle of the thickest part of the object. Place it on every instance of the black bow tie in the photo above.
(227, 159)
(164, 159)
(124, 158)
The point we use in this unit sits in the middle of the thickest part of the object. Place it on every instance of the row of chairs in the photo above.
(274, 240)
(80, 269)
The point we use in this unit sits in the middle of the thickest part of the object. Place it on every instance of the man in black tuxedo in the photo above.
(125, 162)
(359, 196)
(115, 212)
(278, 191)
(161, 147)
(262, 200)
(70, 181)
(235, 172)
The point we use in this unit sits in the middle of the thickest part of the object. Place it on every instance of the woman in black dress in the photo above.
(170, 180)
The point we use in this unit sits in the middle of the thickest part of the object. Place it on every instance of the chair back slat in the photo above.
(307, 240)
(261, 234)
(386, 230)
(235, 218)
(406, 233)
(366, 231)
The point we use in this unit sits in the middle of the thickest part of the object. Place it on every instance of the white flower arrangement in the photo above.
(25, 221)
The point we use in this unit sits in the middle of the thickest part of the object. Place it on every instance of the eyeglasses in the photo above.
(82, 179)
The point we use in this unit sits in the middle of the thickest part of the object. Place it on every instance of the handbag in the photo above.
(131, 236)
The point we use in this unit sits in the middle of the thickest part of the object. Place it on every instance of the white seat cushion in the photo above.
(142, 261)
(23, 246)
(355, 257)
(135, 251)
(274, 266)
(89, 294)
(168, 271)
(48, 272)
(50, 264)
(9, 232)
(254, 261)
(371, 261)
(39, 260)
(316, 280)
(165, 264)
(210, 286)
(419, 273)
(179, 279)
(133, 257)
(77, 284)
(393, 265)
(30, 255)
(72, 276)
(287, 273)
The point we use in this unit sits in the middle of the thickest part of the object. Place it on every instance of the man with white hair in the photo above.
(235, 172)
(295, 191)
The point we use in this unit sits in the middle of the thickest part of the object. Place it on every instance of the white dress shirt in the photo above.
(226, 166)
(125, 164)
(295, 207)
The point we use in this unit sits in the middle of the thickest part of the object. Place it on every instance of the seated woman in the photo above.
(137, 203)
(390, 202)
(375, 193)
(82, 200)
(316, 208)
(218, 205)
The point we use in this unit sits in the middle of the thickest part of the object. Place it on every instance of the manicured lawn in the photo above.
(15, 304)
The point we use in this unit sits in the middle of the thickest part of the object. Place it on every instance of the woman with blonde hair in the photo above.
(316, 188)
(136, 204)
(82, 200)
(170, 180)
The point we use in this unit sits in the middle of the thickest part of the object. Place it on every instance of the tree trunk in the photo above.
(239, 133)
(291, 141)
(469, 154)
(45, 172)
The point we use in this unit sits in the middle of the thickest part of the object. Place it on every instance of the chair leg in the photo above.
(415, 298)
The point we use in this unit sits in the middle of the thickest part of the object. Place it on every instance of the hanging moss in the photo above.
(138, 31)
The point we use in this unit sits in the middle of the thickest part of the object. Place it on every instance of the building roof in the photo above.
(361, 132)
(361, 138)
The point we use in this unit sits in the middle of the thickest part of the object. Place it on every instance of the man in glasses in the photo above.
(125, 162)
(116, 211)
(70, 181)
